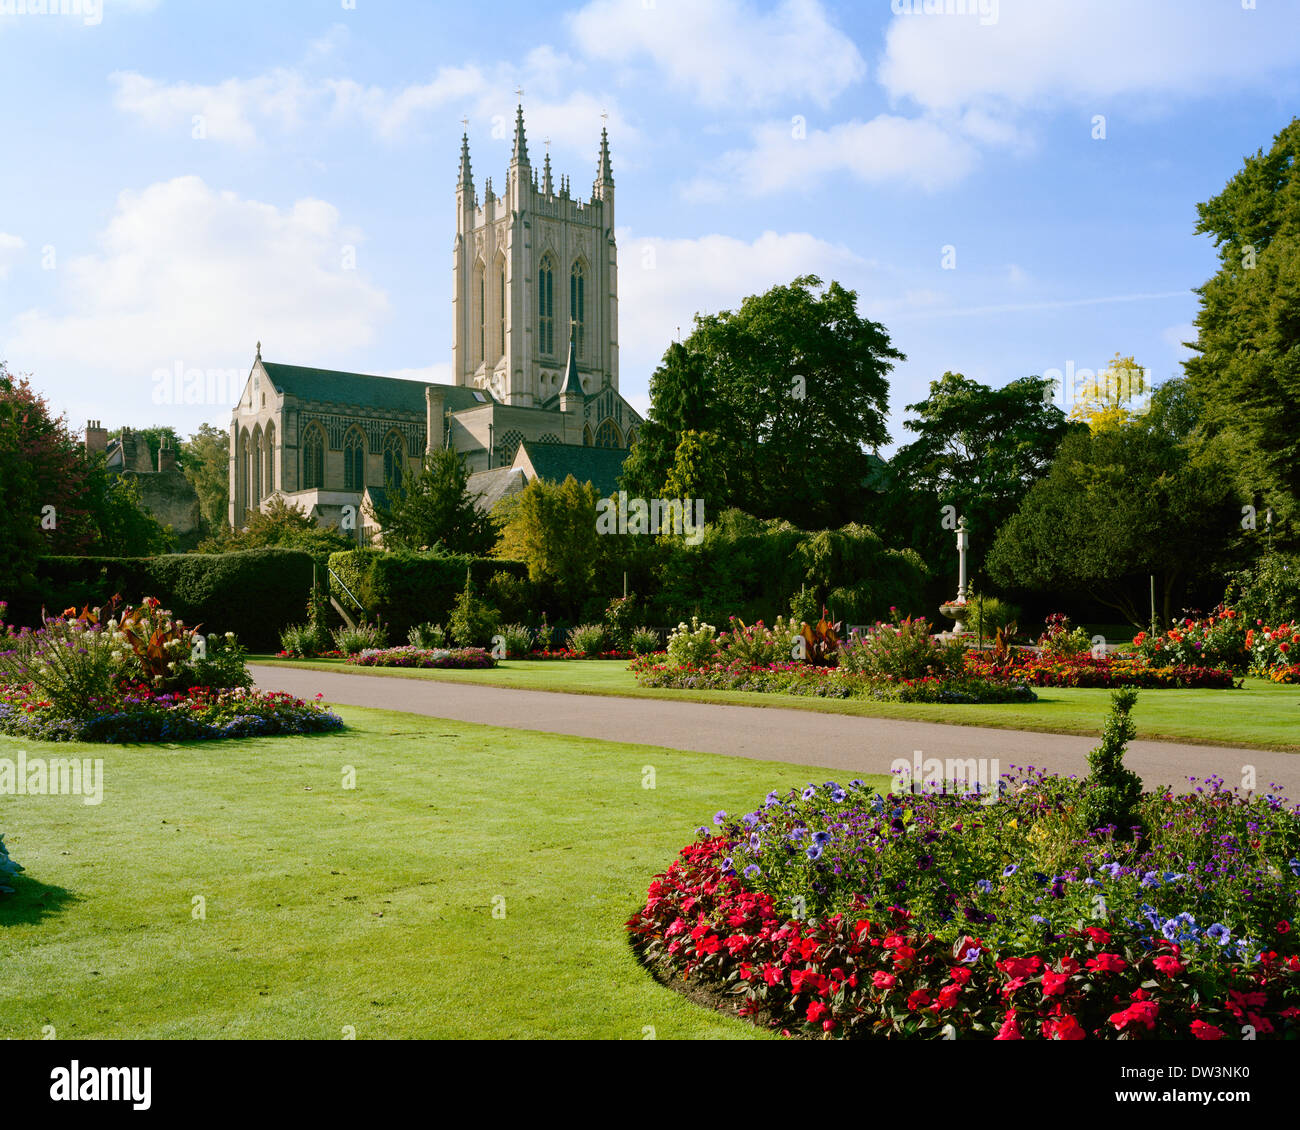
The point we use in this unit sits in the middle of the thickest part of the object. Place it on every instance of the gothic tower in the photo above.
(533, 267)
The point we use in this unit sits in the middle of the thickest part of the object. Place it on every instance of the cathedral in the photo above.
(534, 367)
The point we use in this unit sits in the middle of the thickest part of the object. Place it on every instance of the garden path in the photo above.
(848, 744)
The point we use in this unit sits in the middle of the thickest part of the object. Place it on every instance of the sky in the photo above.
(1010, 187)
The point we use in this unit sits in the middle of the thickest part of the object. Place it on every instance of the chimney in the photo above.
(166, 456)
(96, 437)
(436, 437)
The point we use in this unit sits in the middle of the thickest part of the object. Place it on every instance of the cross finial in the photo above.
(259, 350)
(465, 122)
(519, 90)
(604, 116)
(547, 142)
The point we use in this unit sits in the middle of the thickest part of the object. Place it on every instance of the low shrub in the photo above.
(1060, 641)
(643, 641)
(467, 658)
(1088, 670)
(473, 622)
(517, 640)
(903, 649)
(587, 641)
(142, 715)
(427, 636)
(696, 646)
(758, 645)
(298, 641)
(986, 614)
(620, 615)
(349, 641)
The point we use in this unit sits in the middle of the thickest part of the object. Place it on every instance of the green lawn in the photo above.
(370, 907)
(1261, 715)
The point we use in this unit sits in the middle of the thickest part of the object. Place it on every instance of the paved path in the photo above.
(850, 744)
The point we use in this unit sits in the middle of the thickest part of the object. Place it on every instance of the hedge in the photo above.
(253, 593)
(405, 589)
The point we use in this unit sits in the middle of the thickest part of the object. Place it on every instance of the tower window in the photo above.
(501, 322)
(578, 306)
(546, 308)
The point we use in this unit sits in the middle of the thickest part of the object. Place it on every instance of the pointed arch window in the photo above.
(313, 459)
(608, 435)
(268, 442)
(501, 307)
(578, 305)
(394, 460)
(546, 307)
(478, 298)
(354, 461)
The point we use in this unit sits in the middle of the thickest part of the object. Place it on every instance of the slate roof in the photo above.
(490, 487)
(600, 466)
(364, 390)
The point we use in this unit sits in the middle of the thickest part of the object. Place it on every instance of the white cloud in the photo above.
(1063, 51)
(231, 111)
(663, 283)
(187, 275)
(887, 148)
(439, 372)
(726, 52)
(10, 248)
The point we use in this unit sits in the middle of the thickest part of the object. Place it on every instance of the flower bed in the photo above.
(1086, 670)
(838, 912)
(825, 682)
(466, 658)
(137, 675)
(142, 715)
(1226, 639)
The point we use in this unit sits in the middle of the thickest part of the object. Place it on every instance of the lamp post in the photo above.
(1268, 525)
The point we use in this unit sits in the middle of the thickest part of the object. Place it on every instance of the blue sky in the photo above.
(184, 179)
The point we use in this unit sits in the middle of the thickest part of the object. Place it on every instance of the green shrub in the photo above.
(299, 640)
(220, 661)
(620, 616)
(473, 622)
(427, 636)
(805, 608)
(986, 614)
(1270, 591)
(518, 640)
(252, 593)
(587, 639)
(643, 641)
(757, 645)
(696, 646)
(1112, 793)
(69, 661)
(904, 649)
(352, 640)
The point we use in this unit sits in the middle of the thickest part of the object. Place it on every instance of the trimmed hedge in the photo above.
(404, 589)
(253, 593)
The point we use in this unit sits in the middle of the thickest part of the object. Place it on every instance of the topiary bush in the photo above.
(1112, 792)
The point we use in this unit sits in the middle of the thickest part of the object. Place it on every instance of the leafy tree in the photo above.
(795, 385)
(681, 401)
(205, 459)
(978, 449)
(432, 507)
(552, 528)
(282, 524)
(1247, 371)
(1106, 401)
(699, 467)
(1116, 506)
(126, 528)
(20, 533)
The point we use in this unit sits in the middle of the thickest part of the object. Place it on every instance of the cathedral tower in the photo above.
(532, 269)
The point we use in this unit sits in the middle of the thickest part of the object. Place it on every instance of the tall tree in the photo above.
(1119, 505)
(432, 507)
(205, 459)
(552, 527)
(977, 449)
(1247, 371)
(1107, 400)
(795, 384)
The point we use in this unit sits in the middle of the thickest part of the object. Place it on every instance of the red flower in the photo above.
(1168, 965)
(1143, 1012)
(883, 980)
(1203, 1031)
(1010, 1029)
(1019, 967)
(816, 1011)
(1284, 927)
(1106, 963)
(1065, 1028)
(919, 998)
(1053, 983)
(708, 945)
(772, 974)
(1098, 935)
(960, 974)
(948, 995)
